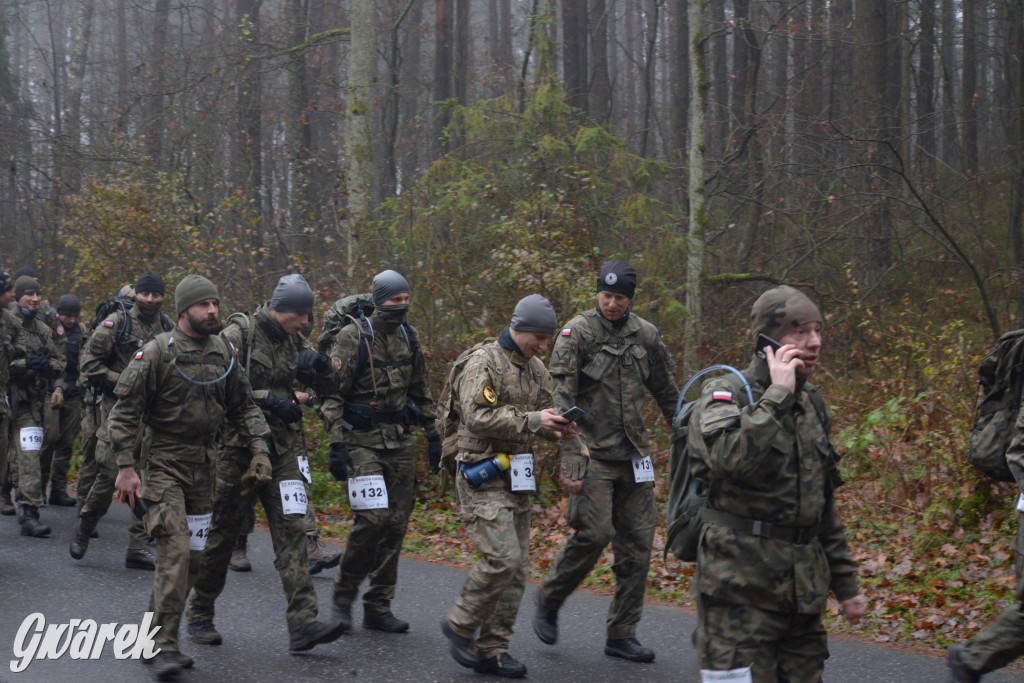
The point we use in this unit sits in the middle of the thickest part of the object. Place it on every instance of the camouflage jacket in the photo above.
(770, 461)
(8, 333)
(272, 369)
(498, 399)
(29, 387)
(397, 375)
(604, 370)
(161, 389)
(47, 313)
(105, 356)
(69, 345)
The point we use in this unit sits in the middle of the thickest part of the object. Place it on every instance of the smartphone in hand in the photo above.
(574, 414)
(764, 341)
(140, 508)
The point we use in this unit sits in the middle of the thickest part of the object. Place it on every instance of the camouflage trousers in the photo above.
(87, 470)
(27, 426)
(247, 523)
(498, 521)
(61, 428)
(5, 444)
(375, 541)
(777, 646)
(173, 490)
(233, 507)
(1002, 641)
(100, 495)
(611, 508)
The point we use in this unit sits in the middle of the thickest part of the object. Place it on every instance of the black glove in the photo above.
(38, 362)
(309, 358)
(341, 461)
(434, 452)
(18, 354)
(284, 408)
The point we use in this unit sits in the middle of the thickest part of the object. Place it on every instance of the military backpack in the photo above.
(447, 417)
(1000, 385)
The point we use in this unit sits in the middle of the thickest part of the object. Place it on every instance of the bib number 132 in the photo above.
(368, 492)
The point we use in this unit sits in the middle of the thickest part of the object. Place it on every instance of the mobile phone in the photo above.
(763, 340)
(140, 508)
(574, 414)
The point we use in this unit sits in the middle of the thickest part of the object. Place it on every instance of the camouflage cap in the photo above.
(779, 310)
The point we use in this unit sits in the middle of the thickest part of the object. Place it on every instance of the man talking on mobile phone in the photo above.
(602, 361)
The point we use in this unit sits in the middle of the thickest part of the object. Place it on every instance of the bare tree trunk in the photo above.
(444, 25)
(76, 82)
(574, 53)
(121, 50)
(719, 111)
(506, 61)
(249, 96)
(841, 76)
(1015, 133)
(410, 77)
(600, 84)
(155, 97)
(969, 88)
(302, 209)
(651, 42)
(359, 116)
(679, 75)
(697, 189)
(926, 93)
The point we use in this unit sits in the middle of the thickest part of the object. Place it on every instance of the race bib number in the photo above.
(304, 468)
(368, 492)
(732, 676)
(31, 438)
(198, 530)
(293, 497)
(521, 467)
(643, 471)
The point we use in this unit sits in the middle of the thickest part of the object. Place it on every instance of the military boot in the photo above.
(30, 524)
(385, 621)
(313, 634)
(61, 498)
(139, 559)
(239, 562)
(79, 542)
(959, 671)
(628, 648)
(6, 506)
(320, 555)
(545, 622)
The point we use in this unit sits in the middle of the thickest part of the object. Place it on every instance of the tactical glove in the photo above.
(259, 472)
(38, 362)
(574, 467)
(284, 408)
(57, 399)
(341, 461)
(309, 358)
(434, 452)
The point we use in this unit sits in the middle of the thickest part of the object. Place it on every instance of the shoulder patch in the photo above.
(138, 355)
(60, 329)
(489, 395)
(721, 395)
(108, 323)
(566, 331)
(336, 362)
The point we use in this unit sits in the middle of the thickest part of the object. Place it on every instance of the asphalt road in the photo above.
(38, 575)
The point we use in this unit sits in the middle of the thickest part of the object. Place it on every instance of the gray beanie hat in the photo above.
(292, 295)
(68, 304)
(534, 313)
(388, 284)
(192, 290)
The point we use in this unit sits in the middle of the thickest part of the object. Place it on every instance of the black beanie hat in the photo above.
(68, 304)
(150, 281)
(26, 270)
(6, 281)
(617, 276)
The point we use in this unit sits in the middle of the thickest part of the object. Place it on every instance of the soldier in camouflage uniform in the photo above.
(92, 414)
(47, 313)
(34, 365)
(773, 545)
(111, 347)
(64, 413)
(602, 361)
(1002, 641)
(272, 351)
(8, 330)
(380, 394)
(503, 400)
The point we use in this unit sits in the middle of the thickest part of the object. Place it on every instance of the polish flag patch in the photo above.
(108, 323)
(138, 355)
(721, 395)
(566, 331)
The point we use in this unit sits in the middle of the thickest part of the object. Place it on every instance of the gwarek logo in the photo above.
(81, 639)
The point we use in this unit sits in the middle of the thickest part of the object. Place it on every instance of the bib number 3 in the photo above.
(368, 492)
